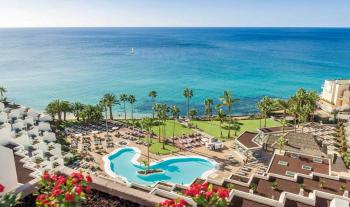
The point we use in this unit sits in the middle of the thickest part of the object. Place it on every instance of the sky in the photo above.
(174, 13)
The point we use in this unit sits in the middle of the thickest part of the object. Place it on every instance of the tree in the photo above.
(153, 95)
(346, 158)
(2, 93)
(193, 112)
(157, 108)
(208, 107)
(188, 94)
(164, 116)
(77, 108)
(281, 142)
(175, 111)
(55, 108)
(132, 100)
(228, 101)
(124, 98)
(220, 114)
(302, 105)
(110, 101)
(335, 113)
(147, 123)
(265, 106)
(236, 126)
(104, 105)
(66, 107)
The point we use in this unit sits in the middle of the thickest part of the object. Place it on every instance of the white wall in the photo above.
(8, 174)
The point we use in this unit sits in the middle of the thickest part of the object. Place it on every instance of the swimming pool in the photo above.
(181, 170)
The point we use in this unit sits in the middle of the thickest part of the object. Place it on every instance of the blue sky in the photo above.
(201, 13)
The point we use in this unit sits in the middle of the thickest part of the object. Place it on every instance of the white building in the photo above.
(335, 95)
(27, 145)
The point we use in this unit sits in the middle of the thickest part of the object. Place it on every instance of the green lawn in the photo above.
(179, 129)
(213, 127)
(157, 147)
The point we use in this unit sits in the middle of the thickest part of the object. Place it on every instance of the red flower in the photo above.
(182, 202)
(46, 176)
(79, 176)
(69, 197)
(2, 188)
(75, 181)
(78, 189)
(223, 193)
(88, 189)
(55, 177)
(88, 179)
(208, 194)
(56, 192)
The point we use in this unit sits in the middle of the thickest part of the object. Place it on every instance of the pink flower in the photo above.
(78, 189)
(46, 176)
(56, 192)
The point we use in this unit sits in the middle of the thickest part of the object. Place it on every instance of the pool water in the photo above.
(180, 170)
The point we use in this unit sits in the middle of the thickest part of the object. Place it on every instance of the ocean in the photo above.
(38, 65)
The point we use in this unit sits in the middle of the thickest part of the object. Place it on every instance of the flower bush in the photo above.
(205, 195)
(8, 199)
(61, 191)
(174, 203)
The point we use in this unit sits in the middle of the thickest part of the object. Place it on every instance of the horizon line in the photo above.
(199, 27)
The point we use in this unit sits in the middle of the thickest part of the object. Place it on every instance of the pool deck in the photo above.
(220, 157)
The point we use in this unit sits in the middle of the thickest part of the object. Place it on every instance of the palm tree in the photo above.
(104, 106)
(147, 123)
(193, 112)
(153, 95)
(56, 106)
(77, 108)
(124, 98)
(188, 94)
(228, 101)
(157, 109)
(265, 106)
(164, 116)
(220, 114)
(66, 108)
(208, 107)
(111, 100)
(132, 100)
(175, 111)
(51, 109)
(281, 142)
(236, 126)
(2, 92)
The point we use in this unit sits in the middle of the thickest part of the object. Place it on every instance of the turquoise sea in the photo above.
(81, 64)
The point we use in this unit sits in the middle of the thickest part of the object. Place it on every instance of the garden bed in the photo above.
(93, 199)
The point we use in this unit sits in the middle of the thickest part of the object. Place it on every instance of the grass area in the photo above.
(179, 129)
(213, 127)
(157, 147)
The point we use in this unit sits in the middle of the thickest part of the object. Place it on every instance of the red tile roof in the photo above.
(295, 165)
(246, 139)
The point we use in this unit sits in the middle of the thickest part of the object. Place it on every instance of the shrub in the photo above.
(58, 190)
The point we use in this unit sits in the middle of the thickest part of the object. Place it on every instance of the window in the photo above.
(284, 163)
(295, 156)
(290, 174)
(318, 160)
(306, 167)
